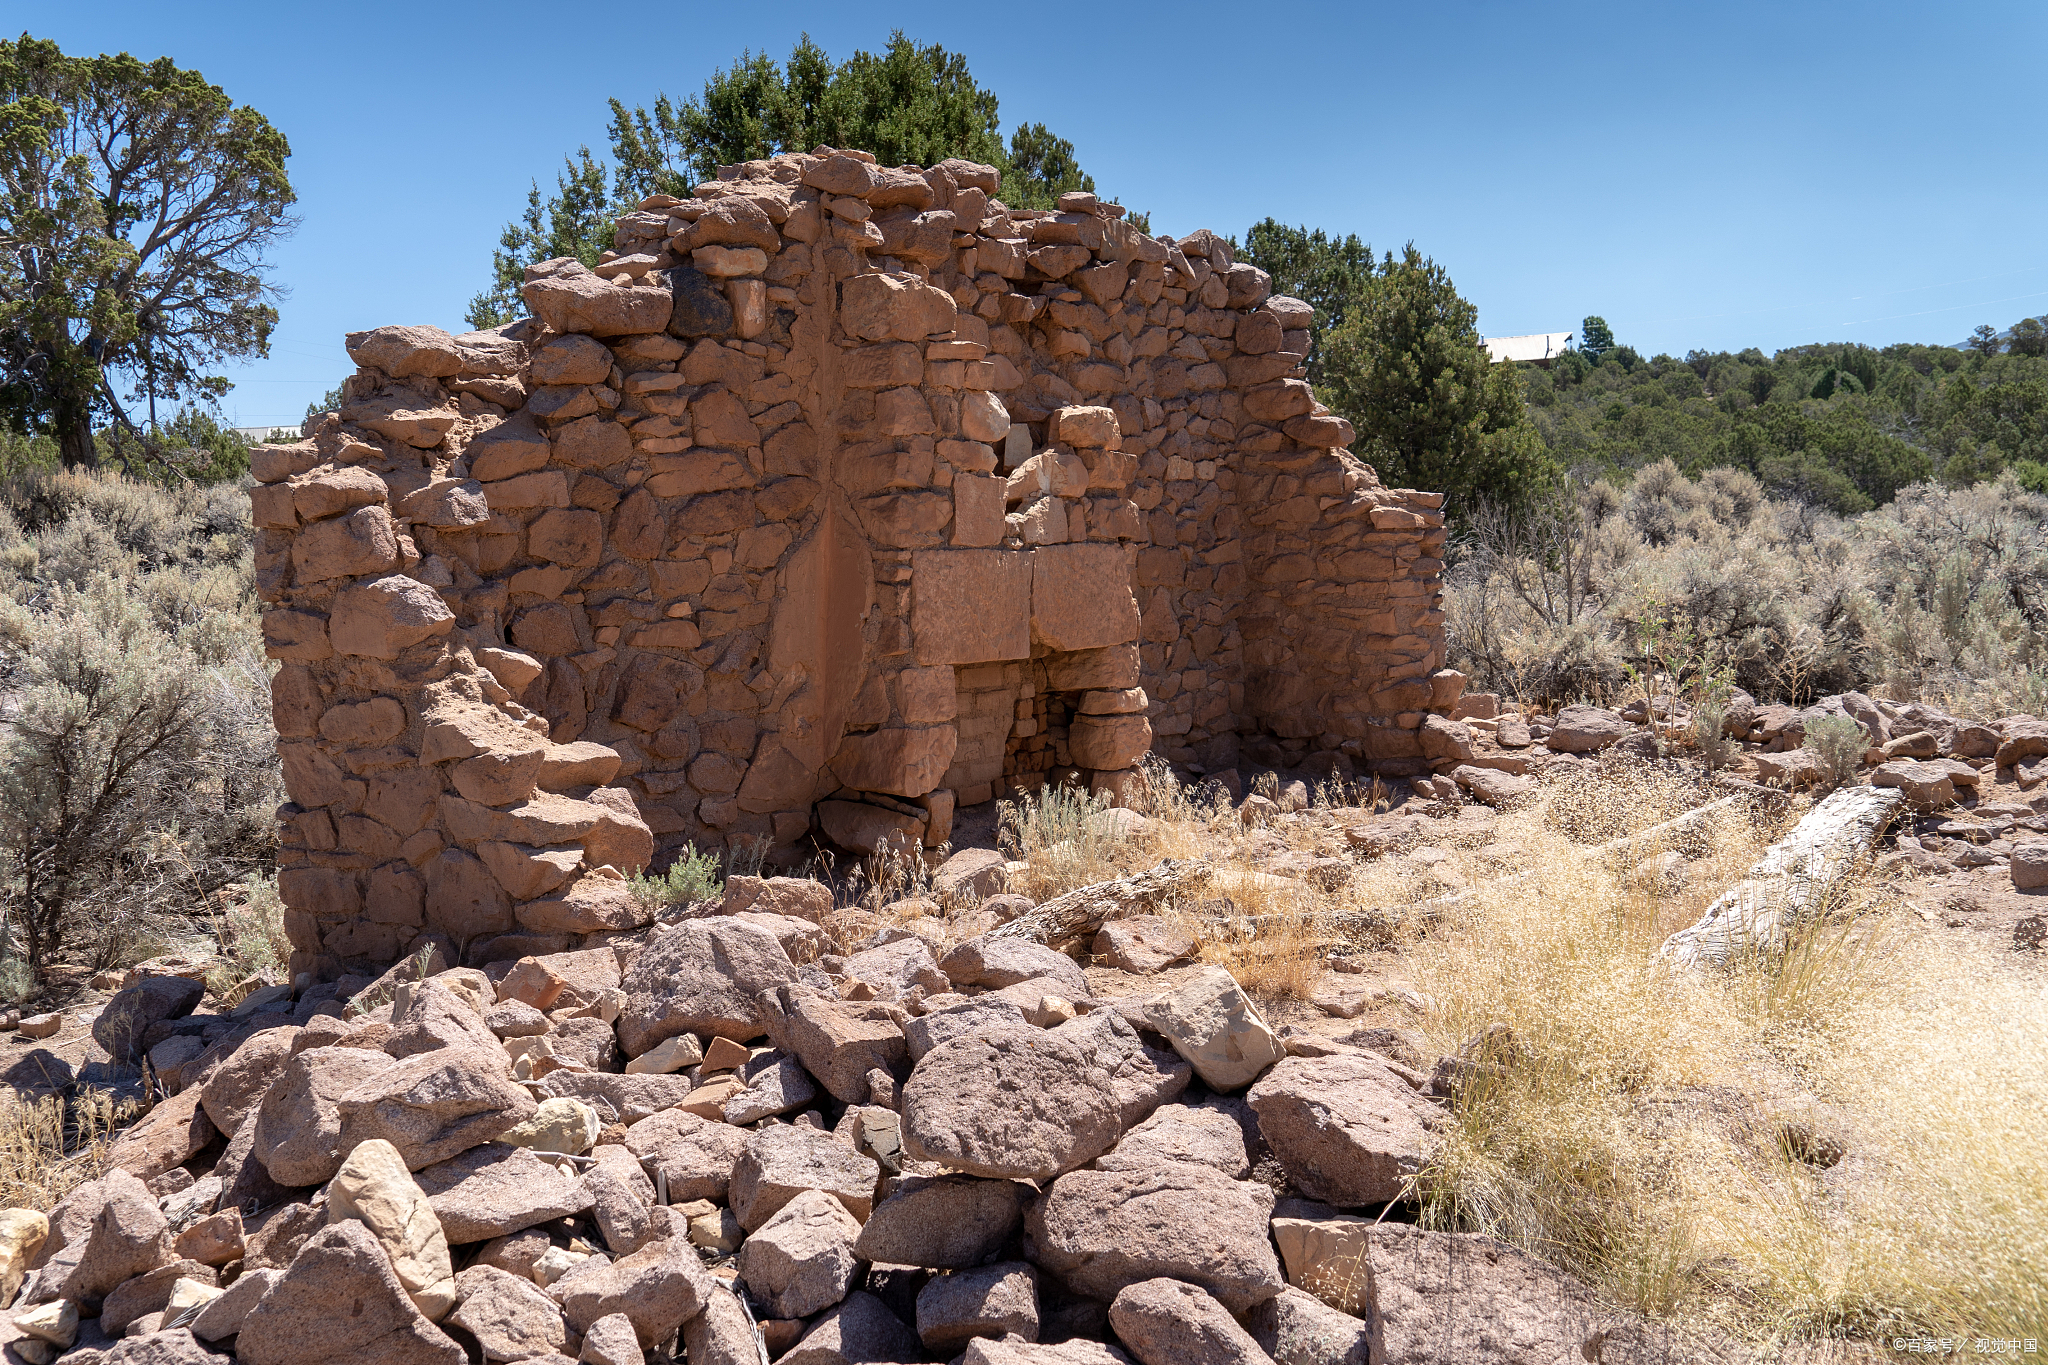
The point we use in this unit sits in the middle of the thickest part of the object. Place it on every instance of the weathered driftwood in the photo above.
(1789, 882)
(1083, 911)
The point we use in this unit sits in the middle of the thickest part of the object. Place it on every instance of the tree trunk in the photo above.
(71, 416)
(76, 445)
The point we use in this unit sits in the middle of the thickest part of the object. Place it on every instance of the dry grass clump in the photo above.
(1648, 1131)
(252, 940)
(47, 1149)
(1068, 838)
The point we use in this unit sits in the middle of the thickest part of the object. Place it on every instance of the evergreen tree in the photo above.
(136, 204)
(1408, 369)
(1595, 336)
(908, 104)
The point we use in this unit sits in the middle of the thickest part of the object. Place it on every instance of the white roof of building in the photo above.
(1537, 346)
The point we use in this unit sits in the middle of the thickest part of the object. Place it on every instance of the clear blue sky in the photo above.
(1712, 176)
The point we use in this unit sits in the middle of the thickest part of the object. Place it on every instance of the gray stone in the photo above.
(1102, 1231)
(1201, 1134)
(618, 1099)
(776, 1084)
(989, 1351)
(495, 1189)
(1166, 1322)
(1027, 1105)
(1297, 1328)
(118, 1232)
(988, 1301)
(611, 1340)
(298, 1124)
(223, 1317)
(697, 1154)
(701, 976)
(341, 1302)
(947, 1222)
(981, 1014)
(1141, 1077)
(860, 1331)
(1347, 1128)
(1214, 1025)
(237, 1084)
(801, 1260)
(781, 1161)
(435, 1105)
(898, 970)
(722, 1334)
(509, 1317)
(121, 1025)
(436, 1016)
(996, 962)
(838, 1042)
(658, 1288)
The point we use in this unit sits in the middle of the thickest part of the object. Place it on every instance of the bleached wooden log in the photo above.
(1081, 912)
(1792, 879)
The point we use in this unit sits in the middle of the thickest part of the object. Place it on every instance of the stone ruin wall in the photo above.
(837, 496)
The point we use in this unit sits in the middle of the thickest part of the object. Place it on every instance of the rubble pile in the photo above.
(713, 1142)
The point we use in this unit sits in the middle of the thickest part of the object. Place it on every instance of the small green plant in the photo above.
(17, 980)
(1838, 743)
(1056, 831)
(692, 877)
(252, 938)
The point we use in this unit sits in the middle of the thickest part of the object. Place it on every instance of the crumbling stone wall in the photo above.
(837, 496)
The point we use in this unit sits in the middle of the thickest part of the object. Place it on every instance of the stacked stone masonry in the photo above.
(835, 497)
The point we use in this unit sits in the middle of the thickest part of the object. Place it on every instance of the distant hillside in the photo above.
(1838, 426)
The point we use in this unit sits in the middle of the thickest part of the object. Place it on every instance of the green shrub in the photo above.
(140, 775)
(692, 877)
(1839, 743)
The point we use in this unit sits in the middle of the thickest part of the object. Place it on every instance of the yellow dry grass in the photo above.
(1655, 1133)
(47, 1149)
(1644, 1128)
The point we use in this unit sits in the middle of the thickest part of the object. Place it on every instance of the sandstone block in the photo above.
(801, 1260)
(1582, 729)
(988, 1301)
(972, 606)
(1214, 1025)
(385, 616)
(898, 760)
(1081, 598)
(579, 301)
(894, 307)
(1348, 1129)
(1166, 1322)
(1103, 1231)
(863, 828)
